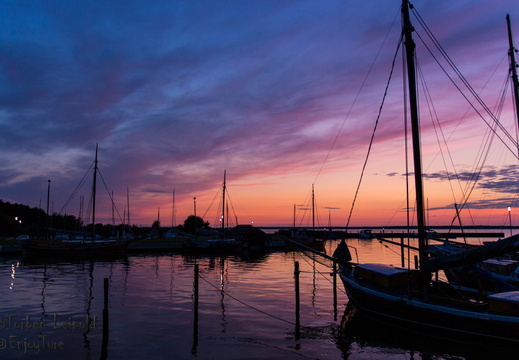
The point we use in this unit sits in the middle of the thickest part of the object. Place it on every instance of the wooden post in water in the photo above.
(335, 290)
(402, 251)
(104, 345)
(296, 277)
(195, 311)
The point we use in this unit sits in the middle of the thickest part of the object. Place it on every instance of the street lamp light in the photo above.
(510, 218)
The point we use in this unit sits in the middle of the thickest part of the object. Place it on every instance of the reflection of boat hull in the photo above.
(46, 247)
(361, 332)
(397, 306)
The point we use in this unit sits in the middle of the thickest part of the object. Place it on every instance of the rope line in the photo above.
(319, 272)
(373, 133)
(259, 310)
(245, 304)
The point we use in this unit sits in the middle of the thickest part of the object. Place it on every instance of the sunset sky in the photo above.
(280, 94)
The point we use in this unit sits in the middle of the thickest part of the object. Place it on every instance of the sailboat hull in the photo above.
(396, 306)
(45, 247)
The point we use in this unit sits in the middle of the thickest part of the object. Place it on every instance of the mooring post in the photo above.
(296, 277)
(104, 345)
(402, 251)
(195, 311)
(335, 290)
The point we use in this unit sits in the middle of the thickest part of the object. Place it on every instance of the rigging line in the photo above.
(466, 83)
(478, 167)
(306, 328)
(476, 96)
(303, 208)
(381, 241)
(212, 201)
(319, 262)
(74, 193)
(437, 125)
(485, 107)
(460, 75)
(244, 303)
(310, 256)
(232, 205)
(465, 192)
(316, 214)
(374, 130)
(110, 195)
(475, 176)
(516, 111)
(488, 141)
(435, 122)
(455, 69)
(356, 98)
(481, 156)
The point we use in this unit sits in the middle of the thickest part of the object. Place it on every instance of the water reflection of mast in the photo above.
(88, 307)
(172, 277)
(222, 293)
(44, 281)
(314, 281)
(195, 311)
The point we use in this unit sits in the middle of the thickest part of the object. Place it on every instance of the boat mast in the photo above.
(128, 207)
(410, 58)
(313, 210)
(513, 66)
(173, 222)
(94, 198)
(223, 199)
(113, 211)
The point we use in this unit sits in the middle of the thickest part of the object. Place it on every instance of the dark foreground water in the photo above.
(53, 309)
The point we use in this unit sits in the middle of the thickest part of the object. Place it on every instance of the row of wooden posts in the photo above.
(297, 301)
(104, 346)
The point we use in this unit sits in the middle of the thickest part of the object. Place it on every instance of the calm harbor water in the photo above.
(54, 309)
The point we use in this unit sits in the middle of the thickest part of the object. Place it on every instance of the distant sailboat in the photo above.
(218, 242)
(302, 237)
(91, 245)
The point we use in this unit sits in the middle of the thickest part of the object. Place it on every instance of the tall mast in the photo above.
(513, 66)
(413, 102)
(128, 204)
(294, 226)
(94, 198)
(223, 199)
(313, 208)
(113, 210)
(173, 211)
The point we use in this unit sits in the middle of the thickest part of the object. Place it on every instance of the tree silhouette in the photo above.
(194, 222)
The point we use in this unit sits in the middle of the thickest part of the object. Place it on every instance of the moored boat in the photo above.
(415, 298)
(91, 245)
